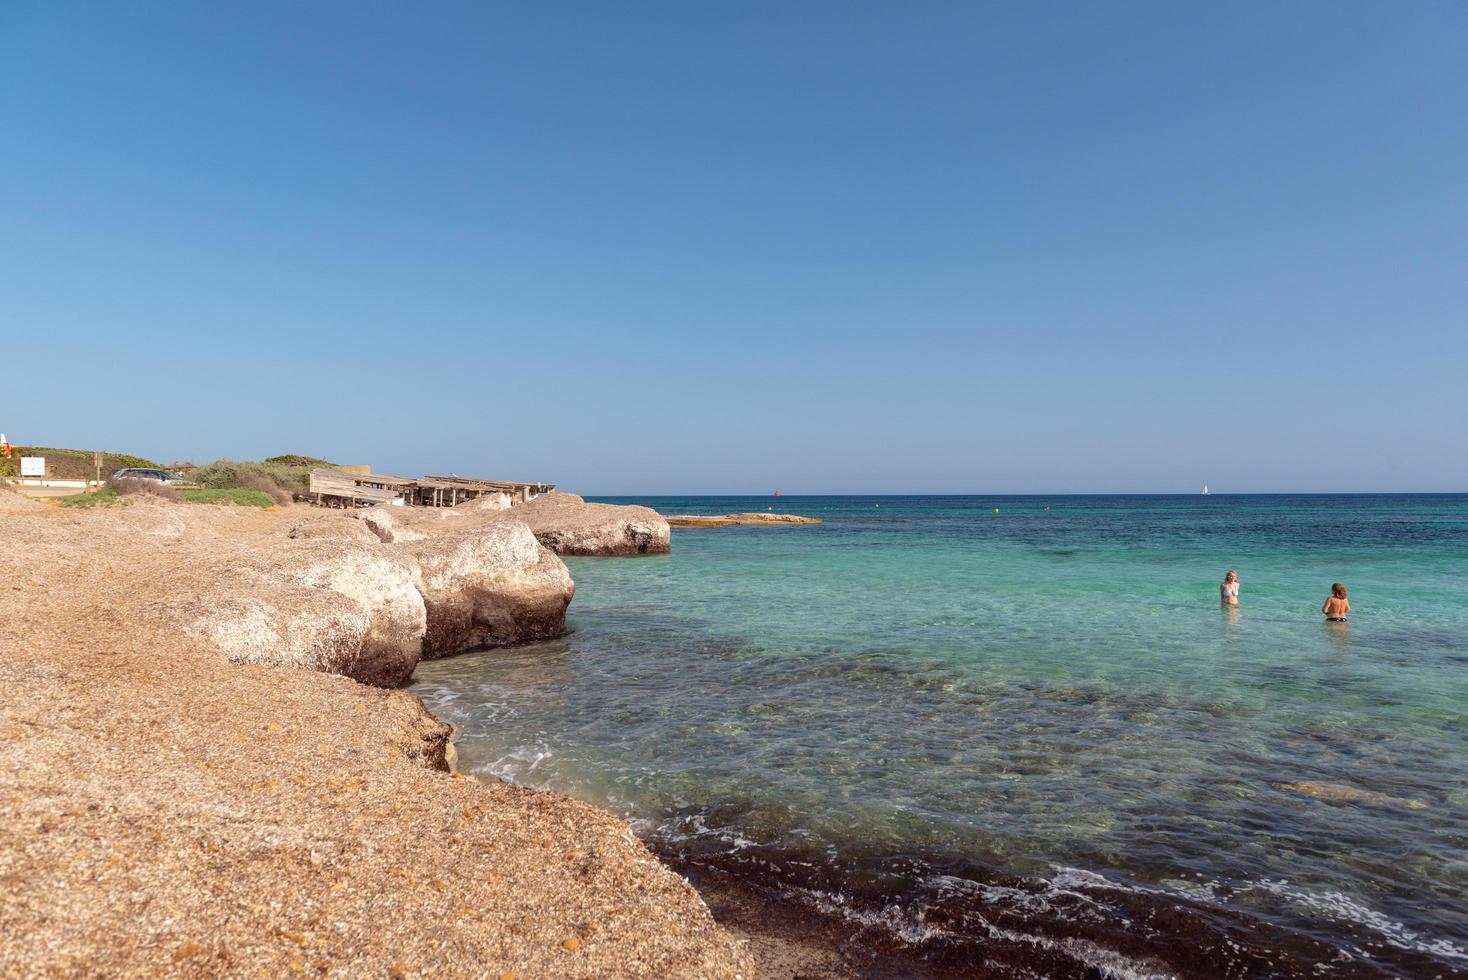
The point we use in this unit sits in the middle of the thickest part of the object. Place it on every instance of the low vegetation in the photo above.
(295, 459)
(101, 497)
(241, 496)
(121, 492)
(249, 483)
(279, 476)
(71, 464)
(130, 485)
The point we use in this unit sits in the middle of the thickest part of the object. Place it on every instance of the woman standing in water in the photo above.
(1336, 604)
(1228, 590)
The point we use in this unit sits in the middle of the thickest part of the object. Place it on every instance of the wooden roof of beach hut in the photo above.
(485, 486)
(335, 483)
(451, 490)
(382, 479)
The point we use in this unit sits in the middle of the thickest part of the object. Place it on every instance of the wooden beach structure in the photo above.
(336, 488)
(446, 491)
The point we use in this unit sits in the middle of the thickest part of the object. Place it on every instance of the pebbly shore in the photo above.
(203, 772)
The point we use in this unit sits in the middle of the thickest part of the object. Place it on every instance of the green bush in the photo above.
(101, 497)
(243, 496)
(294, 459)
(225, 474)
(130, 485)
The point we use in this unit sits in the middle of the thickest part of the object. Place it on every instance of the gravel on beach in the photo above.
(164, 811)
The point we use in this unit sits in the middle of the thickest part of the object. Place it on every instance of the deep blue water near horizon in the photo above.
(1031, 738)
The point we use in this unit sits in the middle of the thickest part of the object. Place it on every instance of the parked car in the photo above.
(141, 473)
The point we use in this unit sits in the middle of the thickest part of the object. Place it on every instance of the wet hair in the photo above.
(1230, 574)
(1338, 590)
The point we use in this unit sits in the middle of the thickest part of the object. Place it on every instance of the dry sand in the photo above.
(166, 812)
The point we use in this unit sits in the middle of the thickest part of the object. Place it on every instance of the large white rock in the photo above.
(389, 524)
(568, 525)
(488, 586)
(323, 604)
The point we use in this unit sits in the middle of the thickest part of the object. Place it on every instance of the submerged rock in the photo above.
(1340, 793)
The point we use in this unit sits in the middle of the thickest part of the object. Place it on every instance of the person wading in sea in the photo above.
(1228, 589)
(1336, 605)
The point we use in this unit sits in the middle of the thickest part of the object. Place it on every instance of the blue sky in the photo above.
(686, 247)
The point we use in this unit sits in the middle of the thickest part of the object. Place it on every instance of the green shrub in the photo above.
(130, 485)
(243, 496)
(294, 459)
(224, 474)
(101, 497)
(268, 487)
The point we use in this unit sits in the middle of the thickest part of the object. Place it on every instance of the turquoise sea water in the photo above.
(1031, 739)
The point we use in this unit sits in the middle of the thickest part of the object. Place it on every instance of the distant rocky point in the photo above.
(754, 519)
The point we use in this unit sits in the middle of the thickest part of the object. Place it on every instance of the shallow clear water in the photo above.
(1031, 737)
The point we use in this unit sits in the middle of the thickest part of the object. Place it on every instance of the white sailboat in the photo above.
(1205, 489)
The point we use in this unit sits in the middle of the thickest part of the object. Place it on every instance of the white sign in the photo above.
(33, 466)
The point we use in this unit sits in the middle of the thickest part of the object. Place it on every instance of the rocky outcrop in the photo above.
(367, 593)
(332, 528)
(488, 501)
(325, 604)
(489, 586)
(755, 519)
(568, 525)
(387, 524)
(364, 594)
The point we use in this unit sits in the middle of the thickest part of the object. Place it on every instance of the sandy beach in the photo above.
(169, 812)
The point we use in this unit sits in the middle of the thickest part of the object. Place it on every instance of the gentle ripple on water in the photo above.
(1031, 739)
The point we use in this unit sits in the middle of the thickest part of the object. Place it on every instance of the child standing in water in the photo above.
(1337, 605)
(1228, 589)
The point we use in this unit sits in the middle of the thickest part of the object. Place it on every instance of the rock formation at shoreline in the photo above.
(568, 525)
(489, 586)
(166, 811)
(367, 593)
(755, 519)
(336, 606)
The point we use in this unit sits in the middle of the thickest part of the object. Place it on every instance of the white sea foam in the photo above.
(519, 764)
(909, 926)
(1332, 905)
(1342, 908)
(1038, 898)
(912, 927)
(696, 826)
(1106, 962)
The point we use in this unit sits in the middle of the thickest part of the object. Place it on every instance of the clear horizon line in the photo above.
(1061, 493)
